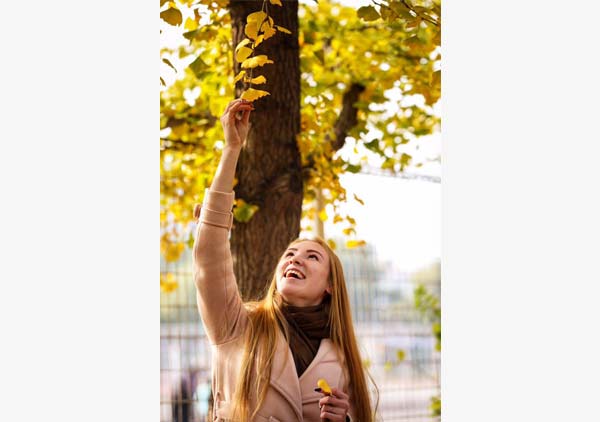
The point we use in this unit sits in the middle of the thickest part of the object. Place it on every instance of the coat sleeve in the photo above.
(219, 301)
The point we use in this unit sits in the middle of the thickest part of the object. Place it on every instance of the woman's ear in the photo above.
(328, 289)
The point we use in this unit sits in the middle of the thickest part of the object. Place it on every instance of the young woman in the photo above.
(268, 355)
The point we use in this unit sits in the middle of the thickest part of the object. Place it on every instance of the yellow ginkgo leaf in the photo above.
(258, 80)
(355, 243)
(256, 61)
(190, 24)
(256, 17)
(251, 30)
(252, 94)
(259, 40)
(242, 43)
(325, 388)
(276, 2)
(168, 283)
(282, 29)
(269, 32)
(242, 54)
(239, 76)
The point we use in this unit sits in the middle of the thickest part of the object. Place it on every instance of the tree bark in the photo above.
(269, 168)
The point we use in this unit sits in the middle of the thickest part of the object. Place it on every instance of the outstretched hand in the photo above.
(235, 127)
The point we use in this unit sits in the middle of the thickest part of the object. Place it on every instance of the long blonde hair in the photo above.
(265, 318)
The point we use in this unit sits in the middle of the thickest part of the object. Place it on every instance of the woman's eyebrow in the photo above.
(308, 250)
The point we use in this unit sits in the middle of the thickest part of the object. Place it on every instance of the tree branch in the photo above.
(421, 15)
(347, 119)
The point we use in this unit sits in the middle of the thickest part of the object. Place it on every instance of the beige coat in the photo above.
(225, 319)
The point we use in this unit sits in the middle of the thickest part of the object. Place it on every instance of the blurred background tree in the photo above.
(369, 74)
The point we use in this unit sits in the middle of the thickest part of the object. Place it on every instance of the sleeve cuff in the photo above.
(215, 209)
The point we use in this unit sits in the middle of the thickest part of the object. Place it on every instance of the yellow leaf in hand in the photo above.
(258, 80)
(252, 94)
(324, 386)
(256, 61)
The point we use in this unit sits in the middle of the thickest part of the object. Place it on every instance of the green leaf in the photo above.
(368, 13)
(373, 145)
(353, 168)
(243, 211)
(172, 16)
(199, 67)
(401, 355)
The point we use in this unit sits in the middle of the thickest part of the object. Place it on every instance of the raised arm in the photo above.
(219, 301)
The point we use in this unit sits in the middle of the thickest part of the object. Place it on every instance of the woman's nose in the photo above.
(295, 259)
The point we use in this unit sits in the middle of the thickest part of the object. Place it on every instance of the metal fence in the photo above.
(397, 344)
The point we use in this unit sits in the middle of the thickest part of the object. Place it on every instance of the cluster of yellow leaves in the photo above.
(380, 56)
(259, 27)
(398, 50)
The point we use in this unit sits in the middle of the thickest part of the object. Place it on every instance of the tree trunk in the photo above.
(269, 167)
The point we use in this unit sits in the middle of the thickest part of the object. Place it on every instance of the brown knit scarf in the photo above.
(307, 325)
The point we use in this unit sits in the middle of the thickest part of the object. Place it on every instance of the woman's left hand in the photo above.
(334, 408)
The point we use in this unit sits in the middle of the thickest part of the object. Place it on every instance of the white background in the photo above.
(79, 178)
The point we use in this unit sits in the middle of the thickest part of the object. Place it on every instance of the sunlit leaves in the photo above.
(251, 30)
(257, 17)
(256, 61)
(242, 53)
(336, 50)
(258, 80)
(252, 94)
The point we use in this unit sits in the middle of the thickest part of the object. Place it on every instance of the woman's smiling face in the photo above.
(303, 273)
